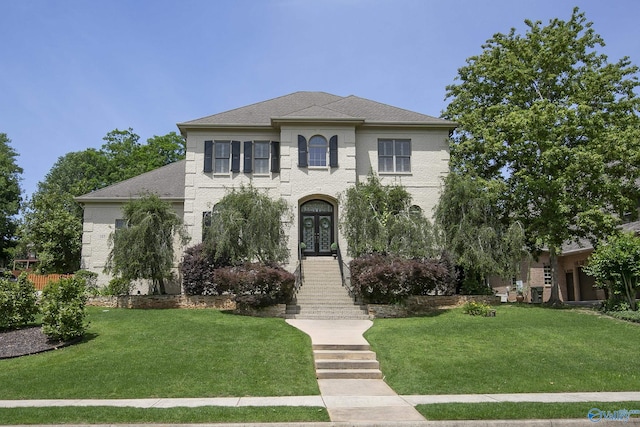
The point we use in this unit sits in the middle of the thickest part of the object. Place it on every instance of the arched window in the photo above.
(317, 151)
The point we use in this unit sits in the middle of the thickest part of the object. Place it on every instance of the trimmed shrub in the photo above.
(255, 284)
(389, 279)
(628, 315)
(18, 302)
(63, 309)
(197, 268)
(118, 286)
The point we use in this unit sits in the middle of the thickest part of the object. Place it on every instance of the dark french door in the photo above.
(316, 227)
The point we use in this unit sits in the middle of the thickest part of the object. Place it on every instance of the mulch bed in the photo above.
(21, 342)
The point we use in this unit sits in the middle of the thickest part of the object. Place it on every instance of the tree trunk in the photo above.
(161, 287)
(554, 299)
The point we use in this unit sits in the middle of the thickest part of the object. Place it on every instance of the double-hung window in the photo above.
(394, 155)
(261, 150)
(222, 153)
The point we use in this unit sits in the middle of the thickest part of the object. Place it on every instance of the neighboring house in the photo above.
(575, 284)
(306, 147)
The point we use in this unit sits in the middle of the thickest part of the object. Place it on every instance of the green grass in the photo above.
(206, 414)
(522, 349)
(519, 410)
(168, 353)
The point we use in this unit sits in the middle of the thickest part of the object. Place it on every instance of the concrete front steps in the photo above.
(345, 361)
(322, 296)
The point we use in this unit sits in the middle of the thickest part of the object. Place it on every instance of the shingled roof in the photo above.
(167, 182)
(316, 105)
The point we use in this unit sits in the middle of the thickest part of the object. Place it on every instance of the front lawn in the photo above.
(523, 349)
(168, 353)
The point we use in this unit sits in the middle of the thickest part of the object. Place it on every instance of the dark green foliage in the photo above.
(478, 232)
(388, 279)
(548, 119)
(378, 218)
(144, 249)
(63, 309)
(10, 197)
(197, 268)
(118, 286)
(18, 302)
(53, 219)
(616, 266)
(247, 225)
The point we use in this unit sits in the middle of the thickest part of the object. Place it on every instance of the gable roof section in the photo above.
(316, 106)
(167, 182)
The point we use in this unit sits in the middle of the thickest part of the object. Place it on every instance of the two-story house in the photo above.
(306, 147)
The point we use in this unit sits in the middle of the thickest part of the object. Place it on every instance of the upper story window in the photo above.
(261, 157)
(222, 150)
(317, 151)
(314, 152)
(223, 157)
(394, 155)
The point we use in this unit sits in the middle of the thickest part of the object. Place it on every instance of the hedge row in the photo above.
(388, 279)
(254, 284)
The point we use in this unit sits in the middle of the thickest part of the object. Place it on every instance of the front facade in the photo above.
(306, 147)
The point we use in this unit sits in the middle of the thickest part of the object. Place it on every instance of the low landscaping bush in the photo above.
(63, 309)
(628, 315)
(197, 268)
(475, 308)
(118, 286)
(254, 284)
(389, 279)
(90, 281)
(18, 302)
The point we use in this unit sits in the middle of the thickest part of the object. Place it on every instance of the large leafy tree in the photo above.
(10, 196)
(379, 218)
(144, 249)
(53, 220)
(551, 120)
(482, 239)
(248, 225)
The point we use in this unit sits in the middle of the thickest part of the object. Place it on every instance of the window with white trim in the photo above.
(222, 156)
(261, 152)
(318, 151)
(394, 155)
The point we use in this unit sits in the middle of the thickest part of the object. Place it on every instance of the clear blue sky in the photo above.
(73, 70)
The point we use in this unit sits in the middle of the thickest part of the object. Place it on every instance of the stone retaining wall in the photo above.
(417, 305)
(220, 302)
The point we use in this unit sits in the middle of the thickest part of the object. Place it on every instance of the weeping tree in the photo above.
(477, 231)
(247, 225)
(143, 249)
(548, 118)
(379, 218)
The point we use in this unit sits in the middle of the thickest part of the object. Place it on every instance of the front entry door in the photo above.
(316, 225)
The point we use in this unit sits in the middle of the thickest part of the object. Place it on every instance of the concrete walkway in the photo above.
(354, 400)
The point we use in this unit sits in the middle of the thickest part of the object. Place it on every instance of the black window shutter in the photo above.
(248, 151)
(275, 156)
(333, 151)
(235, 156)
(302, 152)
(208, 156)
